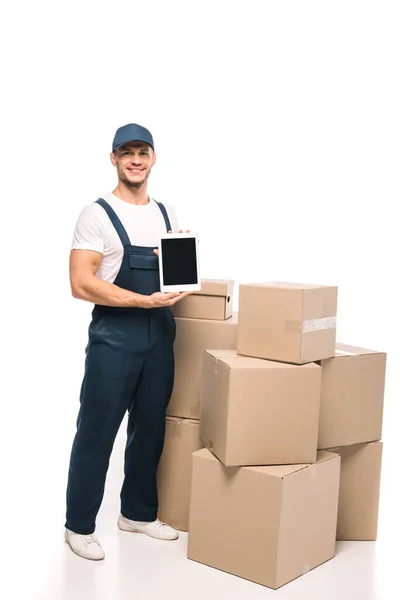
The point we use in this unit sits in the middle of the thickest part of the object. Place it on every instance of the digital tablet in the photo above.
(179, 262)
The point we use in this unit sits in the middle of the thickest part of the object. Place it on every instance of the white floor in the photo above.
(40, 566)
(138, 567)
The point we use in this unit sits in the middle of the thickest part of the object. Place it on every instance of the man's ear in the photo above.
(112, 158)
(154, 159)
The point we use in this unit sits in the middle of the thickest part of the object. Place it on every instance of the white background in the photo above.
(277, 133)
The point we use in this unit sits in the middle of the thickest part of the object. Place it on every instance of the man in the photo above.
(129, 357)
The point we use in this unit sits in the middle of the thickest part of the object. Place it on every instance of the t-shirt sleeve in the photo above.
(88, 233)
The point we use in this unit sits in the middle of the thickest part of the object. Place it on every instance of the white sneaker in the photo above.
(155, 529)
(86, 546)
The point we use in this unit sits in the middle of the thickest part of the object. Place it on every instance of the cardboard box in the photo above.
(193, 336)
(259, 412)
(175, 471)
(360, 478)
(213, 301)
(266, 524)
(289, 322)
(352, 395)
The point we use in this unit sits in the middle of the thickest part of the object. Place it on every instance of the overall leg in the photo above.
(107, 389)
(146, 424)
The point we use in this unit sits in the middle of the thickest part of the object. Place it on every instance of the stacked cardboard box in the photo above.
(175, 469)
(352, 399)
(214, 301)
(288, 322)
(360, 476)
(269, 524)
(203, 320)
(288, 456)
(259, 412)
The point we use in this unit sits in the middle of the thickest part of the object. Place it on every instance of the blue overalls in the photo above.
(129, 367)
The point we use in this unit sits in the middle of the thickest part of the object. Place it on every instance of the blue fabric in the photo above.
(129, 367)
(132, 133)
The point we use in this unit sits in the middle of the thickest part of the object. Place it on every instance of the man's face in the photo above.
(133, 163)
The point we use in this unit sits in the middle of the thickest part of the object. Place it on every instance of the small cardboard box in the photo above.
(266, 524)
(360, 477)
(289, 322)
(259, 412)
(175, 471)
(213, 301)
(193, 336)
(353, 385)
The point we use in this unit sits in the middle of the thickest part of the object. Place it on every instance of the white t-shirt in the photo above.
(94, 230)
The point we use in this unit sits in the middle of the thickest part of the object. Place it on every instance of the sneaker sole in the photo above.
(126, 527)
(81, 555)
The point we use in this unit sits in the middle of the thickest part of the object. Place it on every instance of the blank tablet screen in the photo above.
(179, 261)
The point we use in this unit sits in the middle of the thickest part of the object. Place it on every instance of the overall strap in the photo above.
(165, 215)
(120, 229)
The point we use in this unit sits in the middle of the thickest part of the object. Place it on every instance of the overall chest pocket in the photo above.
(144, 269)
(143, 261)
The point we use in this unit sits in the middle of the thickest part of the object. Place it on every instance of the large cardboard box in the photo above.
(359, 491)
(289, 322)
(266, 524)
(193, 336)
(353, 384)
(175, 471)
(213, 301)
(259, 412)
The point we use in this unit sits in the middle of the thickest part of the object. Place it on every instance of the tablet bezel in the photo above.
(184, 287)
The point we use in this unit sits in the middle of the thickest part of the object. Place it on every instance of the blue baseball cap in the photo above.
(132, 133)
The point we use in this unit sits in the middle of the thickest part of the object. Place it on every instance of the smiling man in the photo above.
(129, 356)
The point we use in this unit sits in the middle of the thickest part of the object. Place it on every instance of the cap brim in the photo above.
(132, 141)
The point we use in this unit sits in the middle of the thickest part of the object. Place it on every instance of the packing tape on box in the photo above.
(306, 569)
(311, 325)
(319, 324)
(176, 429)
(293, 326)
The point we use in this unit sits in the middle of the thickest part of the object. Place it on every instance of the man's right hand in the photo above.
(159, 299)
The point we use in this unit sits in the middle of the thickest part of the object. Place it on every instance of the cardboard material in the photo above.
(352, 397)
(213, 301)
(266, 524)
(259, 412)
(360, 478)
(193, 336)
(175, 471)
(288, 322)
